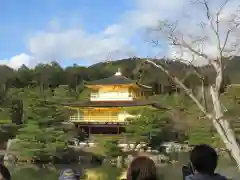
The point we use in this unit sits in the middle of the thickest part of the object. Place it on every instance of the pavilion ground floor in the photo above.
(100, 128)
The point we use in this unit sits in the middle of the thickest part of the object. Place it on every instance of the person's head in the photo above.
(204, 159)
(69, 174)
(4, 173)
(142, 168)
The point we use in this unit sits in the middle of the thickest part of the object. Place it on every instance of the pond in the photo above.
(21, 172)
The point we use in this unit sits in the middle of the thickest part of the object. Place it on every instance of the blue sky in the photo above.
(80, 31)
(19, 20)
(23, 21)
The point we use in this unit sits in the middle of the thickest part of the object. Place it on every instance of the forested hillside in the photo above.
(34, 97)
(52, 75)
(48, 77)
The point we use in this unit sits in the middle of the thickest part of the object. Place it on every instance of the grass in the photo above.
(34, 174)
(5, 121)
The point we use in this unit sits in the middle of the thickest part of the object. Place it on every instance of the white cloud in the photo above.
(147, 13)
(80, 45)
(58, 43)
(18, 60)
(75, 44)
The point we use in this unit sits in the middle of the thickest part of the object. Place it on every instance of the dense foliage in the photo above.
(110, 147)
(50, 76)
(31, 99)
(42, 135)
(150, 127)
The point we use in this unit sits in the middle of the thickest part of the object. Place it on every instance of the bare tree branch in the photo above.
(217, 63)
(222, 7)
(216, 29)
(200, 76)
(190, 63)
(225, 41)
(177, 39)
(208, 13)
(170, 31)
(177, 81)
(187, 46)
(236, 26)
(219, 13)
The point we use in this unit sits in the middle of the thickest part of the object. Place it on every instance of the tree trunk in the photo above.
(223, 128)
(204, 99)
(221, 124)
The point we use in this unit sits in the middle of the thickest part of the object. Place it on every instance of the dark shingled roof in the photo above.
(112, 80)
(114, 104)
(116, 80)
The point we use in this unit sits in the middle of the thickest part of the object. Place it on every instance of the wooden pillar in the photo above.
(89, 130)
(118, 130)
(78, 114)
(89, 115)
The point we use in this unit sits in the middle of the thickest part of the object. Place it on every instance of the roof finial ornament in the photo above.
(118, 73)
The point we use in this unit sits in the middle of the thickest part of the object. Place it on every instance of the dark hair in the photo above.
(204, 159)
(5, 172)
(142, 168)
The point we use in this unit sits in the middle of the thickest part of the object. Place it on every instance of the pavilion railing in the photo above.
(111, 96)
(95, 119)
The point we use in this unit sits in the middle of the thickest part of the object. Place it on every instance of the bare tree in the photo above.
(223, 27)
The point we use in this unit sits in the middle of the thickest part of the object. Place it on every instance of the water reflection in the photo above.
(166, 172)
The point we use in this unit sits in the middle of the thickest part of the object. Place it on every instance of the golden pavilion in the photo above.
(105, 111)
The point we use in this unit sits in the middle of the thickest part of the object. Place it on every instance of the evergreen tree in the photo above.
(42, 137)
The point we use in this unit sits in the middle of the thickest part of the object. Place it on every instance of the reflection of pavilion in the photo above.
(105, 112)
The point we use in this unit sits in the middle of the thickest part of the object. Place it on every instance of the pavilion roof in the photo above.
(116, 79)
(114, 104)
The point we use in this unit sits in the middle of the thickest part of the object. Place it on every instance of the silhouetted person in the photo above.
(203, 161)
(4, 173)
(142, 168)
